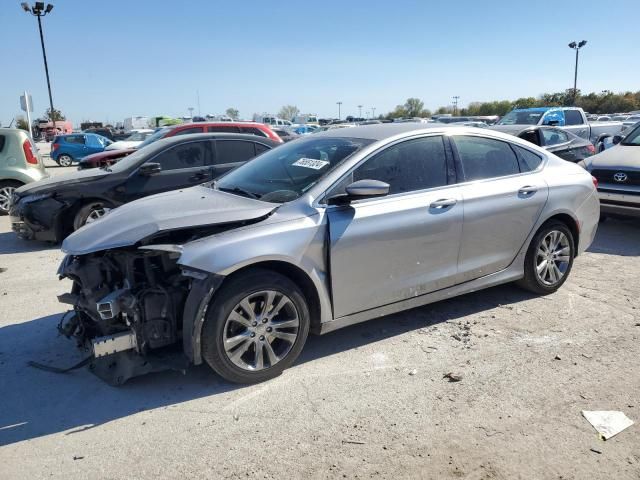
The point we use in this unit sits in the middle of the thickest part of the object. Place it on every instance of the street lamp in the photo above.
(455, 104)
(576, 47)
(39, 10)
(360, 111)
(373, 112)
(339, 104)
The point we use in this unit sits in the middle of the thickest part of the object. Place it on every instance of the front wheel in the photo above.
(65, 160)
(89, 213)
(255, 327)
(549, 258)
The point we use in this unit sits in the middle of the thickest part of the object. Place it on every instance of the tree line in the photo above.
(603, 102)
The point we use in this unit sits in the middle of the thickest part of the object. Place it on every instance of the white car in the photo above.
(132, 141)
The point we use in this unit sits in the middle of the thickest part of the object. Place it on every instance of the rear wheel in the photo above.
(255, 327)
(89, 213)
(65, 160)
(6, 191)
(549, 258)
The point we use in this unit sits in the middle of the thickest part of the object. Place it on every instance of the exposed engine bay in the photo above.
(126, 304)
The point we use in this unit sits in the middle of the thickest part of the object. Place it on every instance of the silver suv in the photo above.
(20, 163)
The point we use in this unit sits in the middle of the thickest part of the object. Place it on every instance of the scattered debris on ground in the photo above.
(607, 423)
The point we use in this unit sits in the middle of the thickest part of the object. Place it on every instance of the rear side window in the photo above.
(408, 166)
(224, 129)
(572, 117)
(187, 155)
(2, 140)
(75, 139)
(529, 161)
(261, 148)
(187, 131)
(253, 131)
(485, 158)
(554, 136)
(233, 151)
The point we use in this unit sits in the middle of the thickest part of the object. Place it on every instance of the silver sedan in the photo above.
(317, 234)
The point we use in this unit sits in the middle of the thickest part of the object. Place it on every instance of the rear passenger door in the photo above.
(503, 193)
(233, 153)
(574, 122)
(183, 165)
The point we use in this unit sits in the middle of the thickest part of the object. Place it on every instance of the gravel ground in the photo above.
(367, 401)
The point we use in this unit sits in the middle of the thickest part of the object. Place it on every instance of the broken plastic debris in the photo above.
(607, 423)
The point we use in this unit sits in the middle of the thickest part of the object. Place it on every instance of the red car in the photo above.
(109, 157)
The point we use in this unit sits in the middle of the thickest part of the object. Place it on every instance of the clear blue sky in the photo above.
(112, 59)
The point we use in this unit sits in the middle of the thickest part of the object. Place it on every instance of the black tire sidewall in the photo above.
(66, 156)
(82, 214)
(225, 300)
(530, 268)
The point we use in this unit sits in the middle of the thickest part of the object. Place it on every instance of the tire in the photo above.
(93, 210)
(6, 191)
(545, 283)
(227, 321)
(65, 160)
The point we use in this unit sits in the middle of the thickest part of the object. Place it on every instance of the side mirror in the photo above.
(148, 169)
(359, 190)
(617, 139)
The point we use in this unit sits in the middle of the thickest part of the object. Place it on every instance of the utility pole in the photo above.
(455, 104)
(359, 111)
(39, 10)
(373, 112)
(339, 105)
(191, 112)
(576, 47)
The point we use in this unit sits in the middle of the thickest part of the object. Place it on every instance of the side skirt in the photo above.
(512, 273)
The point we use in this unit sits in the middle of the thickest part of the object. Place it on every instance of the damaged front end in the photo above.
(127, 310)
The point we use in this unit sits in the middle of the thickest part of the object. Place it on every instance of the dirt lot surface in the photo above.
(369, 401)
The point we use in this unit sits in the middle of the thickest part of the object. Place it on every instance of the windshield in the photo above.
(286, 172)
(156, 136)
(524, 117)
(138, 136)
(633, 137)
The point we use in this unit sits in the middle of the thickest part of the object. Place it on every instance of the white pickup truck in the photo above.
(569, 118)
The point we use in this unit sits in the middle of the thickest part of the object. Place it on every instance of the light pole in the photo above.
(339, 105)
(373, 112)
(455, 104)
(190, 112)
(576, 47)
(360, 111)
(39, 10)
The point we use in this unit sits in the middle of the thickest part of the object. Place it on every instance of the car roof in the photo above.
(168, 141)
(382, 130)
(217, 124)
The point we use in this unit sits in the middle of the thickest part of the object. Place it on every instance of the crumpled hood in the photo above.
(623, 157)
(51, 184)
(190, 207)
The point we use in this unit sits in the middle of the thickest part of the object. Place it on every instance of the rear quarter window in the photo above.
(2, 142)
(528, 160)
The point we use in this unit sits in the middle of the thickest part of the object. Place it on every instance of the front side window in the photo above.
(485, 158)
(233, 151)
(408, 166)
(187, 155)
(75, 139)
(554, 136)
(285, 173)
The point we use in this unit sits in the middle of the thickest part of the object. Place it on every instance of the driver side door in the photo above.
(385, 250)
(183, 165)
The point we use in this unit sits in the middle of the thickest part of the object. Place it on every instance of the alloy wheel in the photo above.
(261, 330)
(553, 258)
(96, 213)
(5, 197)
(65, 160)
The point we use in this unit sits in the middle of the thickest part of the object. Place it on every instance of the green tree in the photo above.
(413, 107)
(288, 112)
(22, 124)
(57, 114)
(233, 113)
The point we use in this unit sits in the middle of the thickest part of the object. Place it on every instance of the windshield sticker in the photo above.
(311, 163)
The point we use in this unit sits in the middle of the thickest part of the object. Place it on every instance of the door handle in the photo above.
(443, 203)
(528, 190)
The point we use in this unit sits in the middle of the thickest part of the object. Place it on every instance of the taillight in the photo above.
(591, 148)
(55, 146)
(28, 153)
(595, 181)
